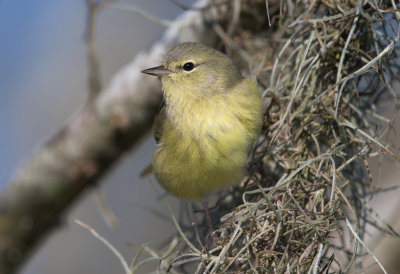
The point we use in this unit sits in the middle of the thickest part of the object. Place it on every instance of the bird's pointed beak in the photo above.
(157, 71)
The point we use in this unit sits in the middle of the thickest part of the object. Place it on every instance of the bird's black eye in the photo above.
(189, 66)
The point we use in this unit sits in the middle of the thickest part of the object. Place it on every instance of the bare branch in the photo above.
(94, 139)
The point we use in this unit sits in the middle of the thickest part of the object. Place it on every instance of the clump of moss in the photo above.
(324, 67)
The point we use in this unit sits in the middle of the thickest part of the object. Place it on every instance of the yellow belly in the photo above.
(204, 144)
(189, 169)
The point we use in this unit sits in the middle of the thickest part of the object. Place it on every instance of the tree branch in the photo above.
(104, 128)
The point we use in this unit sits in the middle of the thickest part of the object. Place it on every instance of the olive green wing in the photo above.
(159, 123)
(157, 134)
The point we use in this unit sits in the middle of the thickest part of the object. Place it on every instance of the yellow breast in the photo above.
(205, 142)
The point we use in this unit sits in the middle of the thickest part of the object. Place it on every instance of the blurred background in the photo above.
(43, 80)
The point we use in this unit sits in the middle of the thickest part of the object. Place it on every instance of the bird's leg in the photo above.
(207, 213)
(208, 217)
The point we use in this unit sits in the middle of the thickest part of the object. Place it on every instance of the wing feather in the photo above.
(159, 121)
(157, 130)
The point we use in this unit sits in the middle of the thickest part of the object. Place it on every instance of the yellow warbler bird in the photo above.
(209, 121)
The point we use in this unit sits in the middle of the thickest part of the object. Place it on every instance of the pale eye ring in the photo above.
(189, 66)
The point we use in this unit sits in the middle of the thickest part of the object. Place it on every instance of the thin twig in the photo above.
(107, 244)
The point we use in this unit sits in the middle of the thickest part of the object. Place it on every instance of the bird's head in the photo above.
(195, 68)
